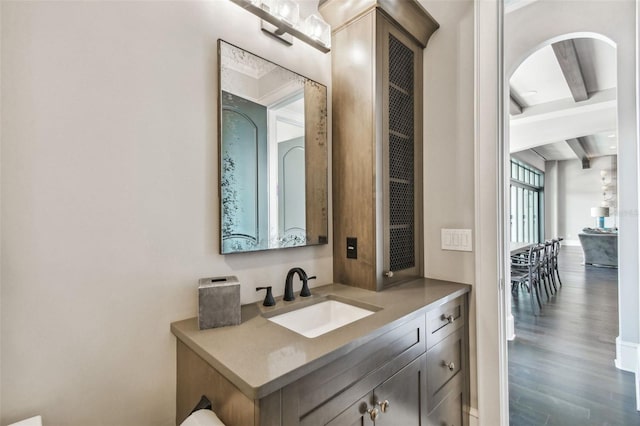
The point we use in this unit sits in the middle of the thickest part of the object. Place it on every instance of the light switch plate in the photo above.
(456, 239)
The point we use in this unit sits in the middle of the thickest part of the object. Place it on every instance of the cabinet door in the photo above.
(395, 402)
(398, 399)
(401, 153)
(356, 415)
(449, 412)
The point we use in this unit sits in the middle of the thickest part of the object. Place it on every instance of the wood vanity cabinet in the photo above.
(420, 369)
(377, 76)
(355, 384)
(414, 374)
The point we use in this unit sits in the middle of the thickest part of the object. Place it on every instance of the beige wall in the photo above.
(449, 147)
(448, 140)
(109, 211)
(109, 200)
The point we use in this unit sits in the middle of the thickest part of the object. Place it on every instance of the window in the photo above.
(527, 206)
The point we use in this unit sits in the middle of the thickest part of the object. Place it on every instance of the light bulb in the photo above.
(317, 29)
(288, 11)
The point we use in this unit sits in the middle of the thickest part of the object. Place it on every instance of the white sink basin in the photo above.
(321, 318)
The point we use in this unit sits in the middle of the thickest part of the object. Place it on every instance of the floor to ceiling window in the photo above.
(527, 185)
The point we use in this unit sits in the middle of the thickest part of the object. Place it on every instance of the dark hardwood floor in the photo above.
(561, 364)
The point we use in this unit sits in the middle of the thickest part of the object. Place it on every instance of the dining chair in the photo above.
(554, 259)
(525, 272)
(546, 268)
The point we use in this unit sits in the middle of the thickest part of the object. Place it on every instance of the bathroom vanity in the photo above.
(405, 364)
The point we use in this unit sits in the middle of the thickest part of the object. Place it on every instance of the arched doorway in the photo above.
(563, 128)
(542, 23)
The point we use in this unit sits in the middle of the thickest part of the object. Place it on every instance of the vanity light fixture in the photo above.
(317, 29)
(280, 18)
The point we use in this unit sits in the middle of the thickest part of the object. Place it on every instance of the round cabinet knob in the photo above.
(384, 405)
(374, 413)
(449, 318)
(388, 274)
(451, 366)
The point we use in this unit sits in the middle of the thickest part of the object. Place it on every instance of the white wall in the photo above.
(578, 190)
(490, 160)
(109, 200)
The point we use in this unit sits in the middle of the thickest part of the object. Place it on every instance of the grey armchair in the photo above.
(600, 248)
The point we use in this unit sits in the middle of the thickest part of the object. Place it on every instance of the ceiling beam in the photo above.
(578, 146)
(538, 154)
(570, 64)
(563, 120)
(515, 107)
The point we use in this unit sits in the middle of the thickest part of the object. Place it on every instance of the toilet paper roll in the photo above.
(33, 421)
(202, 418)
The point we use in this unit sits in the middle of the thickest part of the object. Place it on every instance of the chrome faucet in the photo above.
(288, 284)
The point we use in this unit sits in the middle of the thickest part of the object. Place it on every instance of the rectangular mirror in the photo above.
(273, 155)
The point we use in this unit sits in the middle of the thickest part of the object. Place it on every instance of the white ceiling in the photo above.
(539, 79)
(550, 115)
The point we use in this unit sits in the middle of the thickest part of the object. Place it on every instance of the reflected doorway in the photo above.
(563, 127)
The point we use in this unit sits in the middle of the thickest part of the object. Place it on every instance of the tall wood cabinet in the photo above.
(377, 48)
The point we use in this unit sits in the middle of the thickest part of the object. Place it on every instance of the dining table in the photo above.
(519, 247)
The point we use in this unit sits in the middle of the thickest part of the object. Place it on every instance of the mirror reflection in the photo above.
(273, 155)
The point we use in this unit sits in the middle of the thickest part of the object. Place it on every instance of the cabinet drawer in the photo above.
(449, 412)
(368, 365)
(444, 320)
(444, 366)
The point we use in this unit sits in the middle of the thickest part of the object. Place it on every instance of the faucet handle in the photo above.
(268, 299)
(305, 292)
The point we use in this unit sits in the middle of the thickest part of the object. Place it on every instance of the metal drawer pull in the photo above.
(449, 318)
(373, 412)
(384, 405)
(451, 366)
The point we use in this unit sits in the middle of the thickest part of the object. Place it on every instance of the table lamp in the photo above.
(599, 213)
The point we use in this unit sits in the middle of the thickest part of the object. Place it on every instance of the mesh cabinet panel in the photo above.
(401, 158)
